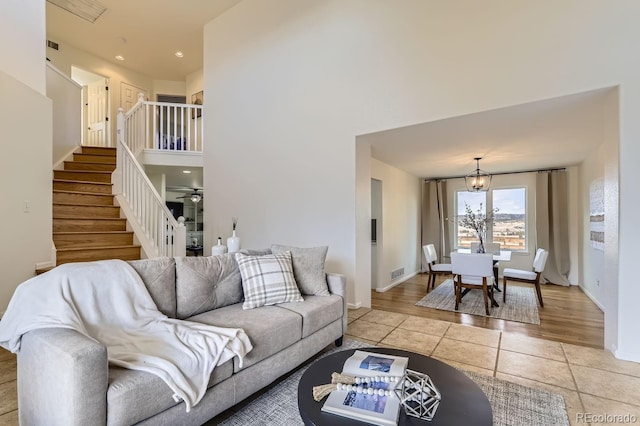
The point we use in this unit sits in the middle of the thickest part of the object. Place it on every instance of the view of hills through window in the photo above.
(509, 225)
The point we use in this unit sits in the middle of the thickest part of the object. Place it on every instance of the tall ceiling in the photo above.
(147, 33)
(549, 133)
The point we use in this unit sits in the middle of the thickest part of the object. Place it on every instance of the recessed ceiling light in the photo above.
(179, 54)
(186, 171)
(120, 57)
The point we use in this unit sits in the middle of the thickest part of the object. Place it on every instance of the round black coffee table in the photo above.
(463, 402)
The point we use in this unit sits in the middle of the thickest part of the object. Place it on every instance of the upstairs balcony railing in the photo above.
(163, 126)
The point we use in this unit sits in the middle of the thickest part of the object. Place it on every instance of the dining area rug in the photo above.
(521, 304)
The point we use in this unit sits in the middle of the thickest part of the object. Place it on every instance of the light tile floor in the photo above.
(592, 381)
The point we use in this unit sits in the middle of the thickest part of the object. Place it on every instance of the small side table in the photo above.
(195, 250)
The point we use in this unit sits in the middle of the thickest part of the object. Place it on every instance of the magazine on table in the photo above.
(375, 409)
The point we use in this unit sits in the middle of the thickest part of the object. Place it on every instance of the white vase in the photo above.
(233, 243)
(218, 249)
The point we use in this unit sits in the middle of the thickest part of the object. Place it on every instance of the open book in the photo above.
(375, 409)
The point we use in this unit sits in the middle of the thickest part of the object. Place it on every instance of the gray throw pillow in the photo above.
(267, 280)
(308, 268)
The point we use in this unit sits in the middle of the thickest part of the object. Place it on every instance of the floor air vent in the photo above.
(397, 273)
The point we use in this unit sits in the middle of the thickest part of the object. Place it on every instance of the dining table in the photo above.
(502, 256)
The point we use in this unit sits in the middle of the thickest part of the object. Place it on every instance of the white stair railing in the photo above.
(164, 126)
(154, 225)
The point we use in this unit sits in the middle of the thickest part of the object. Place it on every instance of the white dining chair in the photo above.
(435, 268)
(493, 248)
(532, 277)
(473, 271)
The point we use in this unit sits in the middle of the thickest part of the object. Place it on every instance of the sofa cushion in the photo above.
(308, 268)
(519, 274)
(159, 276)
(269, 328)
(316, 311)
(133, 395)
(267, 280)
(205, 283)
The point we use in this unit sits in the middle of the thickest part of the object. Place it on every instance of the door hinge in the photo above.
(106, 88)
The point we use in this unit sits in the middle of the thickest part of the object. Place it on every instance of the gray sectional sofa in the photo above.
(64, 377)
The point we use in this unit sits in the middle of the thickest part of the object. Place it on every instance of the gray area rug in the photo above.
(512, 404)
(521, 305)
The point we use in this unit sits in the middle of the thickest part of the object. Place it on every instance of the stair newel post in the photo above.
(180, 242)
(117, 173)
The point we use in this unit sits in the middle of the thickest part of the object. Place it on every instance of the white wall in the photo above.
(194, 83)
(22, 31)
(169, 87)
(400, 245)
(25, 163)
(291, 83)
(69, 56)
(66, 97)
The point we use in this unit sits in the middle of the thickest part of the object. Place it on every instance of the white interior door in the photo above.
(129, 95)
(97, 95)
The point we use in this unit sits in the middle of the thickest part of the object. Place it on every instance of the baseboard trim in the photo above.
(47, 264)
(590, 296)
(396, 282)
(627, 356)
(356, 305)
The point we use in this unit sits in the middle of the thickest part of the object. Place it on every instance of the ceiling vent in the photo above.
(53, 45)
(89, 10)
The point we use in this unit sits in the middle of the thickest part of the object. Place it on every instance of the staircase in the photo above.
(86, 223)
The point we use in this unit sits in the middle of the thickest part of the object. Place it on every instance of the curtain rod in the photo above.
(503, 173)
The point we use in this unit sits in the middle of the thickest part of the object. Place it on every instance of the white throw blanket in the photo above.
(108, 302)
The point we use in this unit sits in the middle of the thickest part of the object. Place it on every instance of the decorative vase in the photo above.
(233, 243)
(218, 249)
(481, 245)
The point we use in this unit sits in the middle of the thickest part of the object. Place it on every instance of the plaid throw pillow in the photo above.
(267, 280)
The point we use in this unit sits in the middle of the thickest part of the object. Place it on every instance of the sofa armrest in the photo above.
(338, 285)
(63, 378)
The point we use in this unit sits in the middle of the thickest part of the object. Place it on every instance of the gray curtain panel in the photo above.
(434, 219)
(552, 224)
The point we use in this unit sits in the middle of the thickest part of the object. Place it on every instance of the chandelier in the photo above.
(478, 180)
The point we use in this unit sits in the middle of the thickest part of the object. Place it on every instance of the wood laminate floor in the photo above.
(568, 315)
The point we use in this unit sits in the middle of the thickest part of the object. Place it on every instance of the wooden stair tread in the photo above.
(90, 218)
(128, 246)
(93, 162)
(85, 205)
(91, 172)
(90, 232)
(100, 172)
(43, 270)
(82, 181)
(64, 191)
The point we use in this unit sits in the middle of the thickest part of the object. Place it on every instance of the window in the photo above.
(509, 225)
(466, 236)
